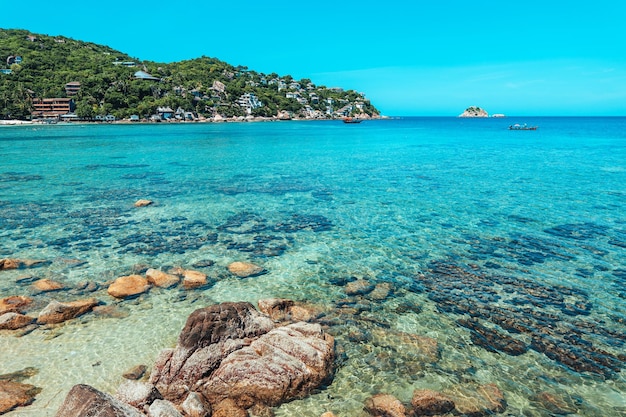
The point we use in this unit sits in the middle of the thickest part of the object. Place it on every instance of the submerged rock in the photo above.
(385, 405)
(245, 269)
(84, 400)
(128, 286)
(57, 312)
(483, 400)
(47, 285)
(16, 394)
(15, 303)
(14, 263)
(143, 203)
(426, 402)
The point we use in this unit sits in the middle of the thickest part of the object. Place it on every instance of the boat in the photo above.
(517, 126)
(351, 120)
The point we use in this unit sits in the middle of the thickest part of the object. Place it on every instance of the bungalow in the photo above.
(165, 113)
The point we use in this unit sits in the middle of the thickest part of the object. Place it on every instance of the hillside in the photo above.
(103, 81)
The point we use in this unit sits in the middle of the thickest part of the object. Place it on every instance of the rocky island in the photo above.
(474, 111)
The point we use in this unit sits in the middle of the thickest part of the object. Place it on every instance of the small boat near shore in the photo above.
(352, 120)
(517, 126)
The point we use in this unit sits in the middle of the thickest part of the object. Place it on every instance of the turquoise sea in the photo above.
(505, 250)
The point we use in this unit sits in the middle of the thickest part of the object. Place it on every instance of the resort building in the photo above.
(72, 88)
(249, 102)
(52, 107)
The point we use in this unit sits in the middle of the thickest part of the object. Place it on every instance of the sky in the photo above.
(410, 58)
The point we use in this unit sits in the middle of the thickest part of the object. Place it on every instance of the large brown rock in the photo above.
(427, 402)
(15, 394)
(57, 312)
(385, 405)
(14, 321)
(286, 363)
(209, 335)
(231, 352)
(15, 303)
(128, 286)
(86, 401)
(161, 279)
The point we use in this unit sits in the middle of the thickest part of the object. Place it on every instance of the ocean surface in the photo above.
(498, 257)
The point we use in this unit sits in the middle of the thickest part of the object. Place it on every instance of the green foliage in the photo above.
(49, 63)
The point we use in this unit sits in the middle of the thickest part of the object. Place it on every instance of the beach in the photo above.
(440, 253)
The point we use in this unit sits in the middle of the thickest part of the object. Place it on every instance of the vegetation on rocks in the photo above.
(205, 86)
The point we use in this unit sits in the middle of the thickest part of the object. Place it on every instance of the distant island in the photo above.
(56, 78)
(475, 111)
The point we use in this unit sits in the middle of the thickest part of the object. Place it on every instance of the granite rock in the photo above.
(86, 401)
(128, 286)
(385, 405)
(57, 312)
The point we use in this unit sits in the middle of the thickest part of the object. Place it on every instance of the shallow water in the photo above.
(482, 234)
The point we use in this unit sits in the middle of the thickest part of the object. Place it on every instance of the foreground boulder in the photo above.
(57, 312)
(288, 362)
(231, 354)
(83, 401)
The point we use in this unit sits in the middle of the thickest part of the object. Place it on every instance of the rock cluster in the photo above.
(229, 358)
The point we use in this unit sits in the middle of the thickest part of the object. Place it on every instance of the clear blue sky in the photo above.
(409, 57)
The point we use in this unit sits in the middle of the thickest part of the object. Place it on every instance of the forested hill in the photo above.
(104, 81)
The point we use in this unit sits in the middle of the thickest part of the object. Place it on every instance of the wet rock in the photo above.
(193, 279)
(15, 303)
(228, 408)
(358, 287)
(381, 291)
(245, 269)
(14, 321)
(493, 340)
(419, 348)
(284, 364)
(161, 279)
(556, 404)
(328, 414)
(195, 406)
(483, 400)
(385, 405)
(426, 402)
(47, 285)
(21, 375)
(111, 311)
(277, 308)
(209, 335)
(84, 400)
(138, 394)
(128, 286)
(163, 408)
(14, 263)
(135, 373)
(16, 394)
(57, 312)
(143, 203)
